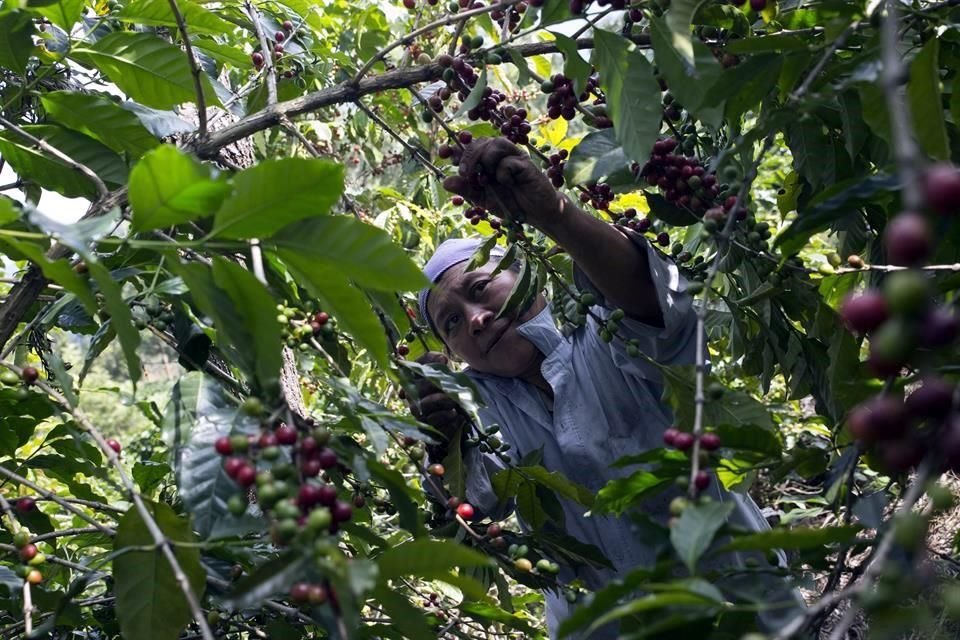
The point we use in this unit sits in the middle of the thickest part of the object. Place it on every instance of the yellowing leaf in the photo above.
(630, 201)
(554, 131)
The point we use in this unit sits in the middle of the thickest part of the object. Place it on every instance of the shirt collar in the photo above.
(542, 331)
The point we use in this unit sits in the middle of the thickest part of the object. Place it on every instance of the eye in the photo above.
(450, 323)
(479, 287)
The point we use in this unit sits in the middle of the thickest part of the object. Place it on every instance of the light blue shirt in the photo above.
(606, 405)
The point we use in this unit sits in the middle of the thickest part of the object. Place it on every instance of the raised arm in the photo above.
(495, 174)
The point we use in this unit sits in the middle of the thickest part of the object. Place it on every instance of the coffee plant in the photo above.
(260, 180)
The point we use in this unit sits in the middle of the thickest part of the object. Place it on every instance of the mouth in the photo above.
(498, 336)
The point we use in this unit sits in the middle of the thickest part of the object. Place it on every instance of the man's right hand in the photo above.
(432, 406)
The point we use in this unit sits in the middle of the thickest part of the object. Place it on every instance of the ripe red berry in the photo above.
(403, 350)
(115, 445)
(932, 399)
(494, 530)
(29, 375)
(758, 5)
(246, 476)
(257, 59)
(410, 4)
(34, 577)
(300, 592)
(710, 441)
(308, 495)
(465, 137)
(321, 318)
(223, 446)
(939, 328)
(327, 458)
(286, 434)
(233, 465)
(941, 187)
(465, 511)
(670, 436)
(880, 418)
(28, 552)
(358, 500)
(701, 480)
(26, 505)
(279, 36)
(453, 502)
(907, 239)
(457, 200)
(901, 455)
(327, 495)
(683, 441)
(287, 25)
(342, 511)
(310, 468)
(865, 312)
(436, 470)
(317, 594)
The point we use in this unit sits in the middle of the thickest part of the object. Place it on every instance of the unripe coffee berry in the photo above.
(30, 375)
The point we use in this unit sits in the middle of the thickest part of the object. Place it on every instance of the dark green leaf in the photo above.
(926, 109)
(120, 317)
(169, 187)
(618, 495)
(199, 412)
(59, 271)
(633, 95)
(481, 256)
(475, 95)
(678, 19)
(768, 43)
(652, 603)
(429, 559)
(406, 617)
(670, 213)
(693, 533)
(400, 495)
(795, 538)
(145, 67)
(100, 117)
(361, 252)
(813, 154)
(257, 311)
(597, 155)
(150, 604)
(36, 165)
(521, 290)
(488, 611)
(574, 67)
(689, 85)
(17, 43)
(267, 580)
(554, 11)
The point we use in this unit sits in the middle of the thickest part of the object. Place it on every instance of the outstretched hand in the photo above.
(496, 175)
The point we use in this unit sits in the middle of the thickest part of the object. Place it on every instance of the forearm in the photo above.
(609, 258)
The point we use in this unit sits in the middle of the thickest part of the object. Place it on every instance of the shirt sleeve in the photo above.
(672, 344)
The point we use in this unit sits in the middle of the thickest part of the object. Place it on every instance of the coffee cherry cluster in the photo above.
(280, 37)
(153, 312)
(309, 593)
(684, 441)
(515, 127)
(30, 556)
(563, 99)
(512, 15)
(300, 504)
(488, 441)
(300, 325)
(682, 179)
(599, 195)
(555, 170)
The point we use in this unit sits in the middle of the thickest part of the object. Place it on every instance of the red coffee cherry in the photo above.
(941, 186)
(865, 312)
(28, 552)
(26, 505)
(907, 239)
(223, 446)
(701, 480)
(286, 434)
(932, 399)
(436, 470)
(300, 592)
(465, 511)
(342, 511)
(880, 418)
(115, 445)
(670, 436)
(683, 441)
(29, 375)
(494, 530)
(246, 476)
(710, 441)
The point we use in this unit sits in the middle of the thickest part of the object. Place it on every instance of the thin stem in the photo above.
(194, 69)
(102, 190)
(267, 51)
(49, 495)
(442, 22)
(416, 153)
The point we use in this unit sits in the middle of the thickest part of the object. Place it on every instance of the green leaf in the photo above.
(169, 187)
(8, 210)
(813, 152)
(429, 559)
(554, 11)
(493, 613)
(359, 251)
(269, 579)
(689, 85)
(633, 95)
(926, 109)
(795, 538)
(767, 43)
(832, 206)
(150, 604)
(35, 165)
(145, 67)
(475, 95)
(574, 67)
(198, 413)
(481, 256)
(678, 19)
(619, 494)
(158, 13)
(59, 271)
(693, 533)
(120, 317)
(521, 288)
(342, 300)
(406, 617)
(257, 311)
(63, 13)
(275, 193)
(652, 603)
(670, 213)
(597, 155)
(745, 85)
(735, 408)
(100, 117)
(17, 43)
(400, 495)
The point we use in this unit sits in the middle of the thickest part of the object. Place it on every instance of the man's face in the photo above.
(464, 307)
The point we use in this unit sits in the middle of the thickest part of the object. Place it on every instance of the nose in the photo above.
(480, 319)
